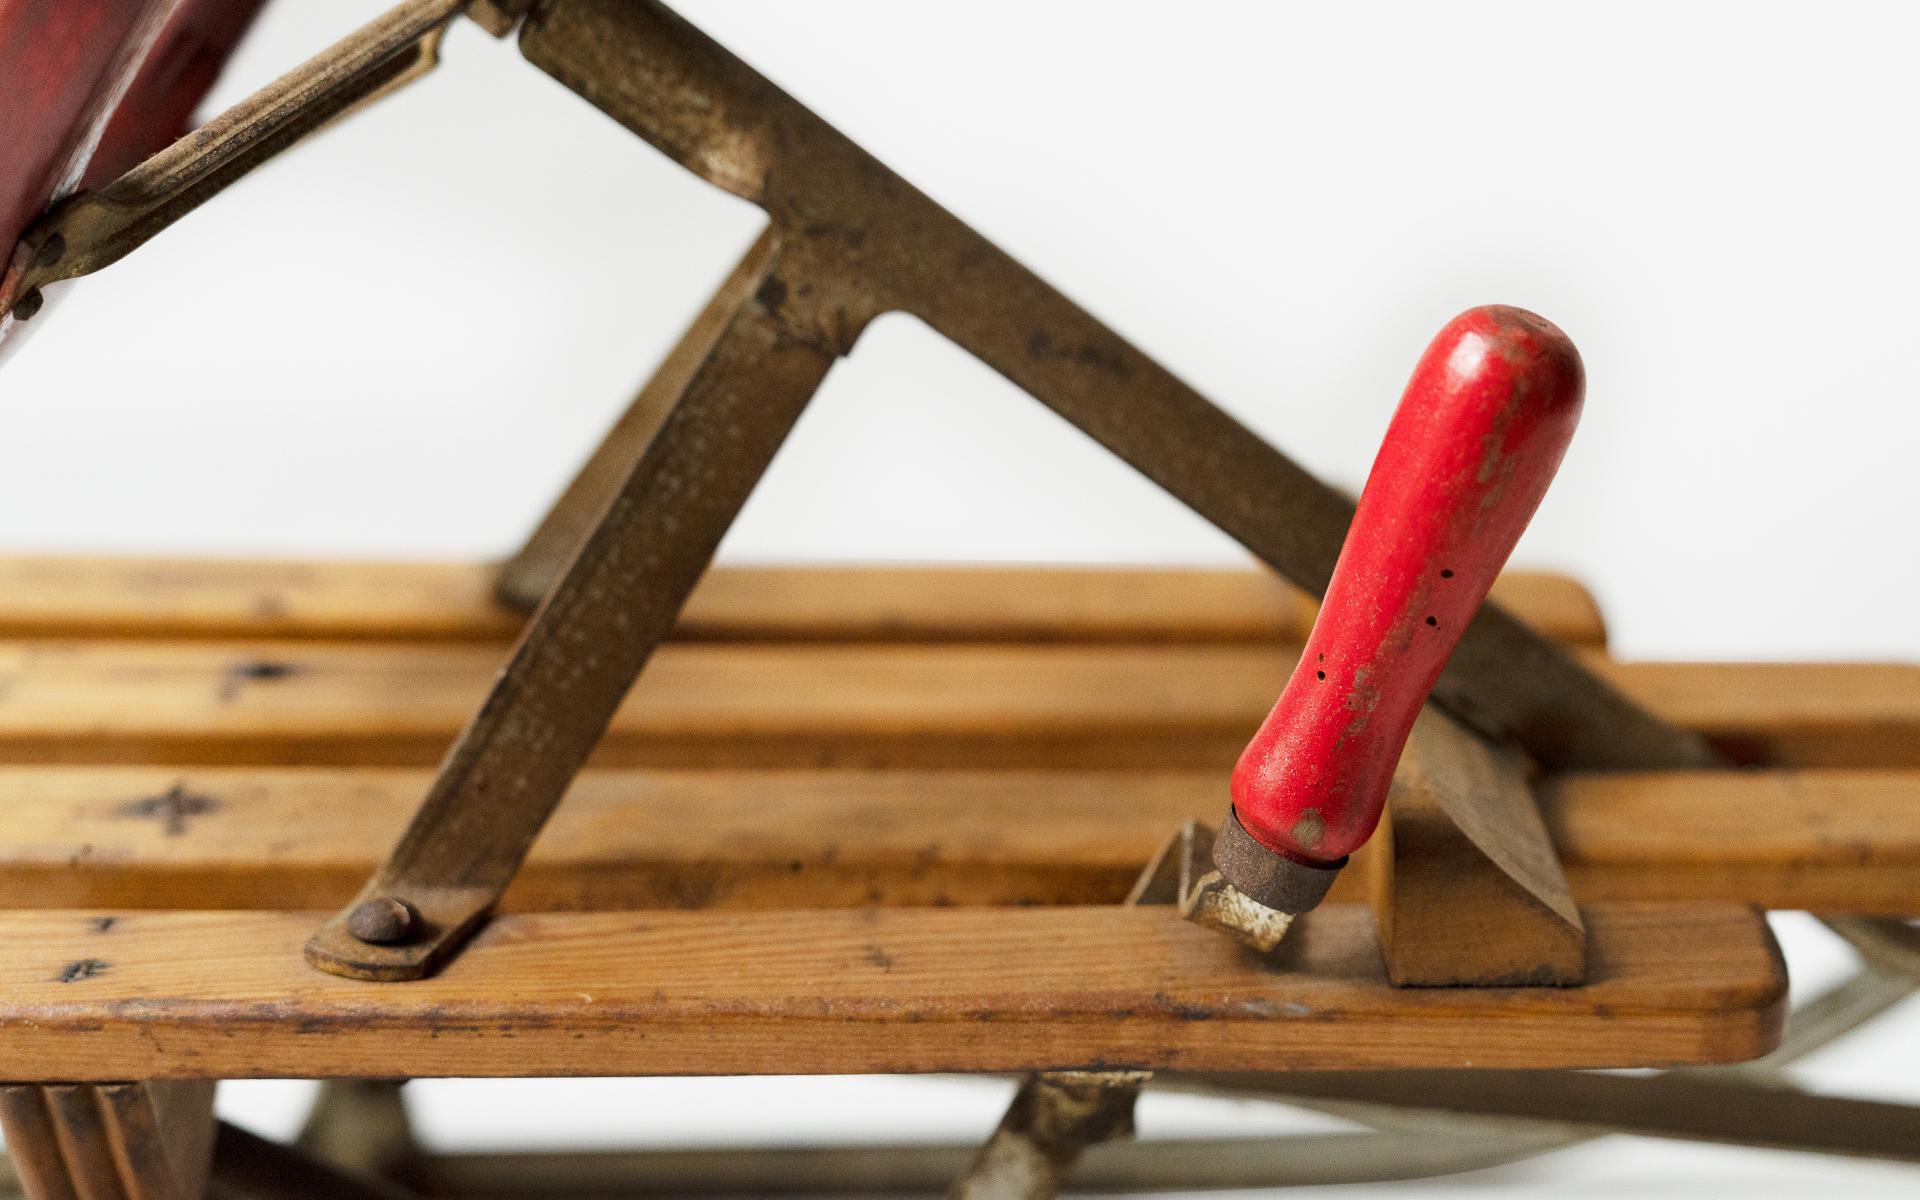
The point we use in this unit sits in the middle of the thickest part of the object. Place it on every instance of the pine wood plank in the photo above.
(1825, 840)
(1801, 714)
(118, 838)
(61, 596)
(817, 704)
(878, 990)
(212, 598)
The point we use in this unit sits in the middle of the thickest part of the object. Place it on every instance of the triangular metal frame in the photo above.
(847, 241)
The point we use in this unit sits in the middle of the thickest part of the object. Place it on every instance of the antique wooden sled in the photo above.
(862, 820)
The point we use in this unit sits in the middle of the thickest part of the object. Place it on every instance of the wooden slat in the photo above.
(1802, 714)
(879, 990)
(112, 839)
(167, 598)
(795, 704)
(1832, 840)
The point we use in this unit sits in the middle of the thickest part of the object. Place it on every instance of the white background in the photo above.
(400, 340)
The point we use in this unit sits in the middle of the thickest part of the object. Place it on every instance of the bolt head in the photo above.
(27, 305)
(383, 921)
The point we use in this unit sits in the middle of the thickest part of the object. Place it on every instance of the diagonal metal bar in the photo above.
(1668, 1106)
(855, 229)
(582, 651)
(1888, 946)
(1823, 1020)
(525, 577)
(1053, 1119)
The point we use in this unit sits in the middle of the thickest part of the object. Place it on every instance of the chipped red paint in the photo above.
(1471, 449)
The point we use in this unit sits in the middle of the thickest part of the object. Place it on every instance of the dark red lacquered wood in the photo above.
(64, 64)
(177, 75)
(1468, 456)
(88, 88)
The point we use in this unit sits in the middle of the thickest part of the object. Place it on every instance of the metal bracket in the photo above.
(582, 650)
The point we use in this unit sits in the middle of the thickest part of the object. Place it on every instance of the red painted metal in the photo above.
(1468, 456)
(88, 88)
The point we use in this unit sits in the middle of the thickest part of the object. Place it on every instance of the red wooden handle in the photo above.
(1475, 441)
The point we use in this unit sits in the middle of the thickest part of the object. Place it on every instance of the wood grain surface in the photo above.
(371, 601)
(239, 837)
(794, 704)
(228, 995)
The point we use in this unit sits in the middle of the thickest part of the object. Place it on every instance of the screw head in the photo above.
(383, 921)
(27, 305)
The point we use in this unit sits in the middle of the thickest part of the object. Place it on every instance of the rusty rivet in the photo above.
(383, 921)
(27, 305)
(50, 251)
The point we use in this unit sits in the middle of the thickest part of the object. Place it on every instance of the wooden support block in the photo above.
(114, 838)
(1467, 889)
(874, 990)
(373, 601)
(110, 1141)
(998, 705)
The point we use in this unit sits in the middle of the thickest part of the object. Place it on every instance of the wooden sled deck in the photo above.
(850, 820)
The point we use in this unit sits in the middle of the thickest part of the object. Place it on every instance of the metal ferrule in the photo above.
(1266, 876)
